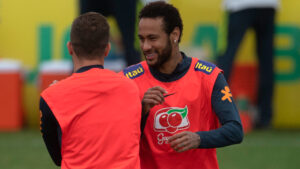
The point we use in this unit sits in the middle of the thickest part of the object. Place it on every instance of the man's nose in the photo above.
(146, 46)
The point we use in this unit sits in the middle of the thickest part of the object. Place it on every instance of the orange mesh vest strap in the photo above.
(99, 114)
(189, 109)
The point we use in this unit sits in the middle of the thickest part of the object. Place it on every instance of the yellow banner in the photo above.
(34, 31)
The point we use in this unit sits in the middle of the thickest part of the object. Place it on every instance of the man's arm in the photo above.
(231, 131)
(51, 132)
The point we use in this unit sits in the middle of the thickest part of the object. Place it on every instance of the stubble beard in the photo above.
(164, 56)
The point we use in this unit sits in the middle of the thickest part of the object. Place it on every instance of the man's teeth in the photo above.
(150, 55)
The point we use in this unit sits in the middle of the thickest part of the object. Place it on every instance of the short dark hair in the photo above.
(89, 35)
(168, 12)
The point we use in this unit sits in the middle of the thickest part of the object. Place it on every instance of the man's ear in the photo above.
(175, 34)
(70, 48)
(107, 49)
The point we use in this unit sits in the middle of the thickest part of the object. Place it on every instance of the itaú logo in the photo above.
(171, 119)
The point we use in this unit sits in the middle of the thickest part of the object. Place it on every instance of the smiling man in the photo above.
(182, 98)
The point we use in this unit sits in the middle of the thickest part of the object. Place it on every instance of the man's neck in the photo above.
(169, 66)
(82, 63)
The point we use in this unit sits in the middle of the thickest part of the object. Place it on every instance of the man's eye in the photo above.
(141, 39)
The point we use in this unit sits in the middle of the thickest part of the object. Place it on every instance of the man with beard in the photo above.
(183, 98)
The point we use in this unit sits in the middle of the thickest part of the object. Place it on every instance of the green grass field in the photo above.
(269, 149)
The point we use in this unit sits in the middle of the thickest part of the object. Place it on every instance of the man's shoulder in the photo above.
(135, 71)
(204, 66)
(57, 85)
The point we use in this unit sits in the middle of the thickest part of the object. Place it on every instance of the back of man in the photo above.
(91, 120)
(100, 128)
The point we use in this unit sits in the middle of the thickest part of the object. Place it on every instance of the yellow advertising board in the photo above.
(287, 66)
(34, 31)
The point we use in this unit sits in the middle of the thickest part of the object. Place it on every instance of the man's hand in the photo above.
(184, 141)
(152, 97)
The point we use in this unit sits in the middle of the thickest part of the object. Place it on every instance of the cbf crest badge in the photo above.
(171, 119)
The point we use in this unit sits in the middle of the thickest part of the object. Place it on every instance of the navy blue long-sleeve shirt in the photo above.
(231, 130)
(51, 132)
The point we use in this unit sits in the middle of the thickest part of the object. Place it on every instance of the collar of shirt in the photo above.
(179, 71)
(86, 68)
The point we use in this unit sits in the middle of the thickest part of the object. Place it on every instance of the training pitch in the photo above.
(265, 149)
